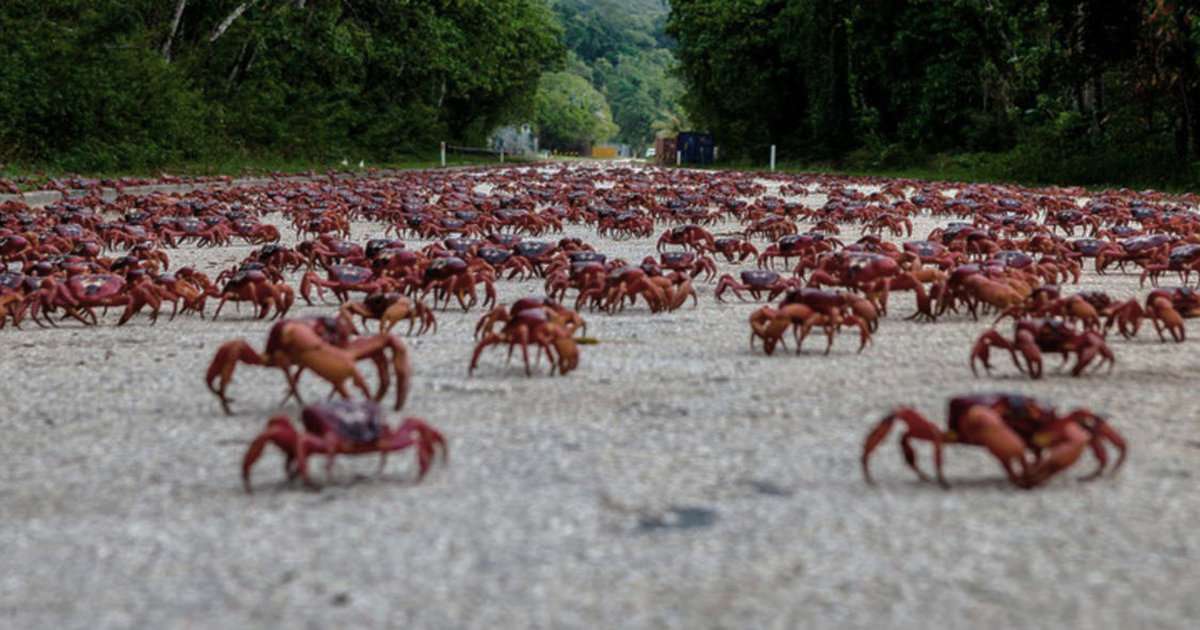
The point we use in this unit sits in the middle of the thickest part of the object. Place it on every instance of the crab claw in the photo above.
(279, 430)
(223, 365)
(428, 441)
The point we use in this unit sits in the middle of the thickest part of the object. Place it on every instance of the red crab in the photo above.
(391, 308)
(344, 279)
(206, 234)
(326, 345)
(797, 246)
(756, 282)
(328, 249)
(832, 302)
(85, 291)
(582, 275)
(1045, 301)
(769, 324)
(735, 250)
(621, 284)
(1183, 259)
(1139, 249)
(1068, 220)
(773, 227)
(931, 253)
(453, 277)
(255, 287)
(876, 275)
(1032, 337)
(897, 225)
(1029, 438)
(1165, 308)
(343, 428)
(538, 325)
(688, 263)
(560, 314)
(15, 289)
(503, 260)
(277, 257)
(691, 237)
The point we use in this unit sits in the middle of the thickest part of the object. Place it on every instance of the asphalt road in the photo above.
(677, 479)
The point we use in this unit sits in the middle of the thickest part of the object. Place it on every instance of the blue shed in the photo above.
(697, 148)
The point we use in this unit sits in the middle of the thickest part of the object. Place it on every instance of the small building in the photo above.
(664, 151)
(695, 147)
(606, 152)
(514, 140)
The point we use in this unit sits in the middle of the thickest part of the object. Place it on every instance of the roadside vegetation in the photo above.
(1034, 91)
(129, 85)
(1081, 91)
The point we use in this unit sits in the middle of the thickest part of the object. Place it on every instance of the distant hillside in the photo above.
(647, 7)
(621, 48)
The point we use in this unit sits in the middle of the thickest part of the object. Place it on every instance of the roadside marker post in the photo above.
(772, 158)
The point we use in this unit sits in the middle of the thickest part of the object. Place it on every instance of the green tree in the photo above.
(1073, 89)
(91, 84)
(571, 113)
(626, 53)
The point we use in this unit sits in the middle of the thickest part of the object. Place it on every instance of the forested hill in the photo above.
(620, 49)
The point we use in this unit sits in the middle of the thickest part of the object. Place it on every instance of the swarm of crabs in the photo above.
(438, 244)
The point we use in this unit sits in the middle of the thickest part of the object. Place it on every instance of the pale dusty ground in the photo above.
(675, 480)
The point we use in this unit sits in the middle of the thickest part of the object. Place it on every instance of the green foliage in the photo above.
(571, 113)
(88, 105)
(621, 48)
(86, 84)
(1082, 90)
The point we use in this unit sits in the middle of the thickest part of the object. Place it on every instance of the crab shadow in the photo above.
(1158, 376)
(791, 353)
(1050, 375)
(323, 486)
(975, 484)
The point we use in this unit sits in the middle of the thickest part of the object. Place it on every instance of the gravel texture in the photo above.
(677, 479)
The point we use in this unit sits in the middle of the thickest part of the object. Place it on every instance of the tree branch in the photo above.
(229, 20)
(166, 47)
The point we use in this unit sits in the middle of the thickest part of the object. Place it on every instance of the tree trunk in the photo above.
(237, 63)
(1189, 76)
(1183, 134)
(840, 97)
(229, 20)
(180, 5)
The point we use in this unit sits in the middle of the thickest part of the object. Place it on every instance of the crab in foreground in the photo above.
(343, 427)
(1029, 438)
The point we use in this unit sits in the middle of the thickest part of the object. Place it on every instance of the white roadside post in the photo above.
(443, 155)
(501, 156)
(679, 158)
(772, 158)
